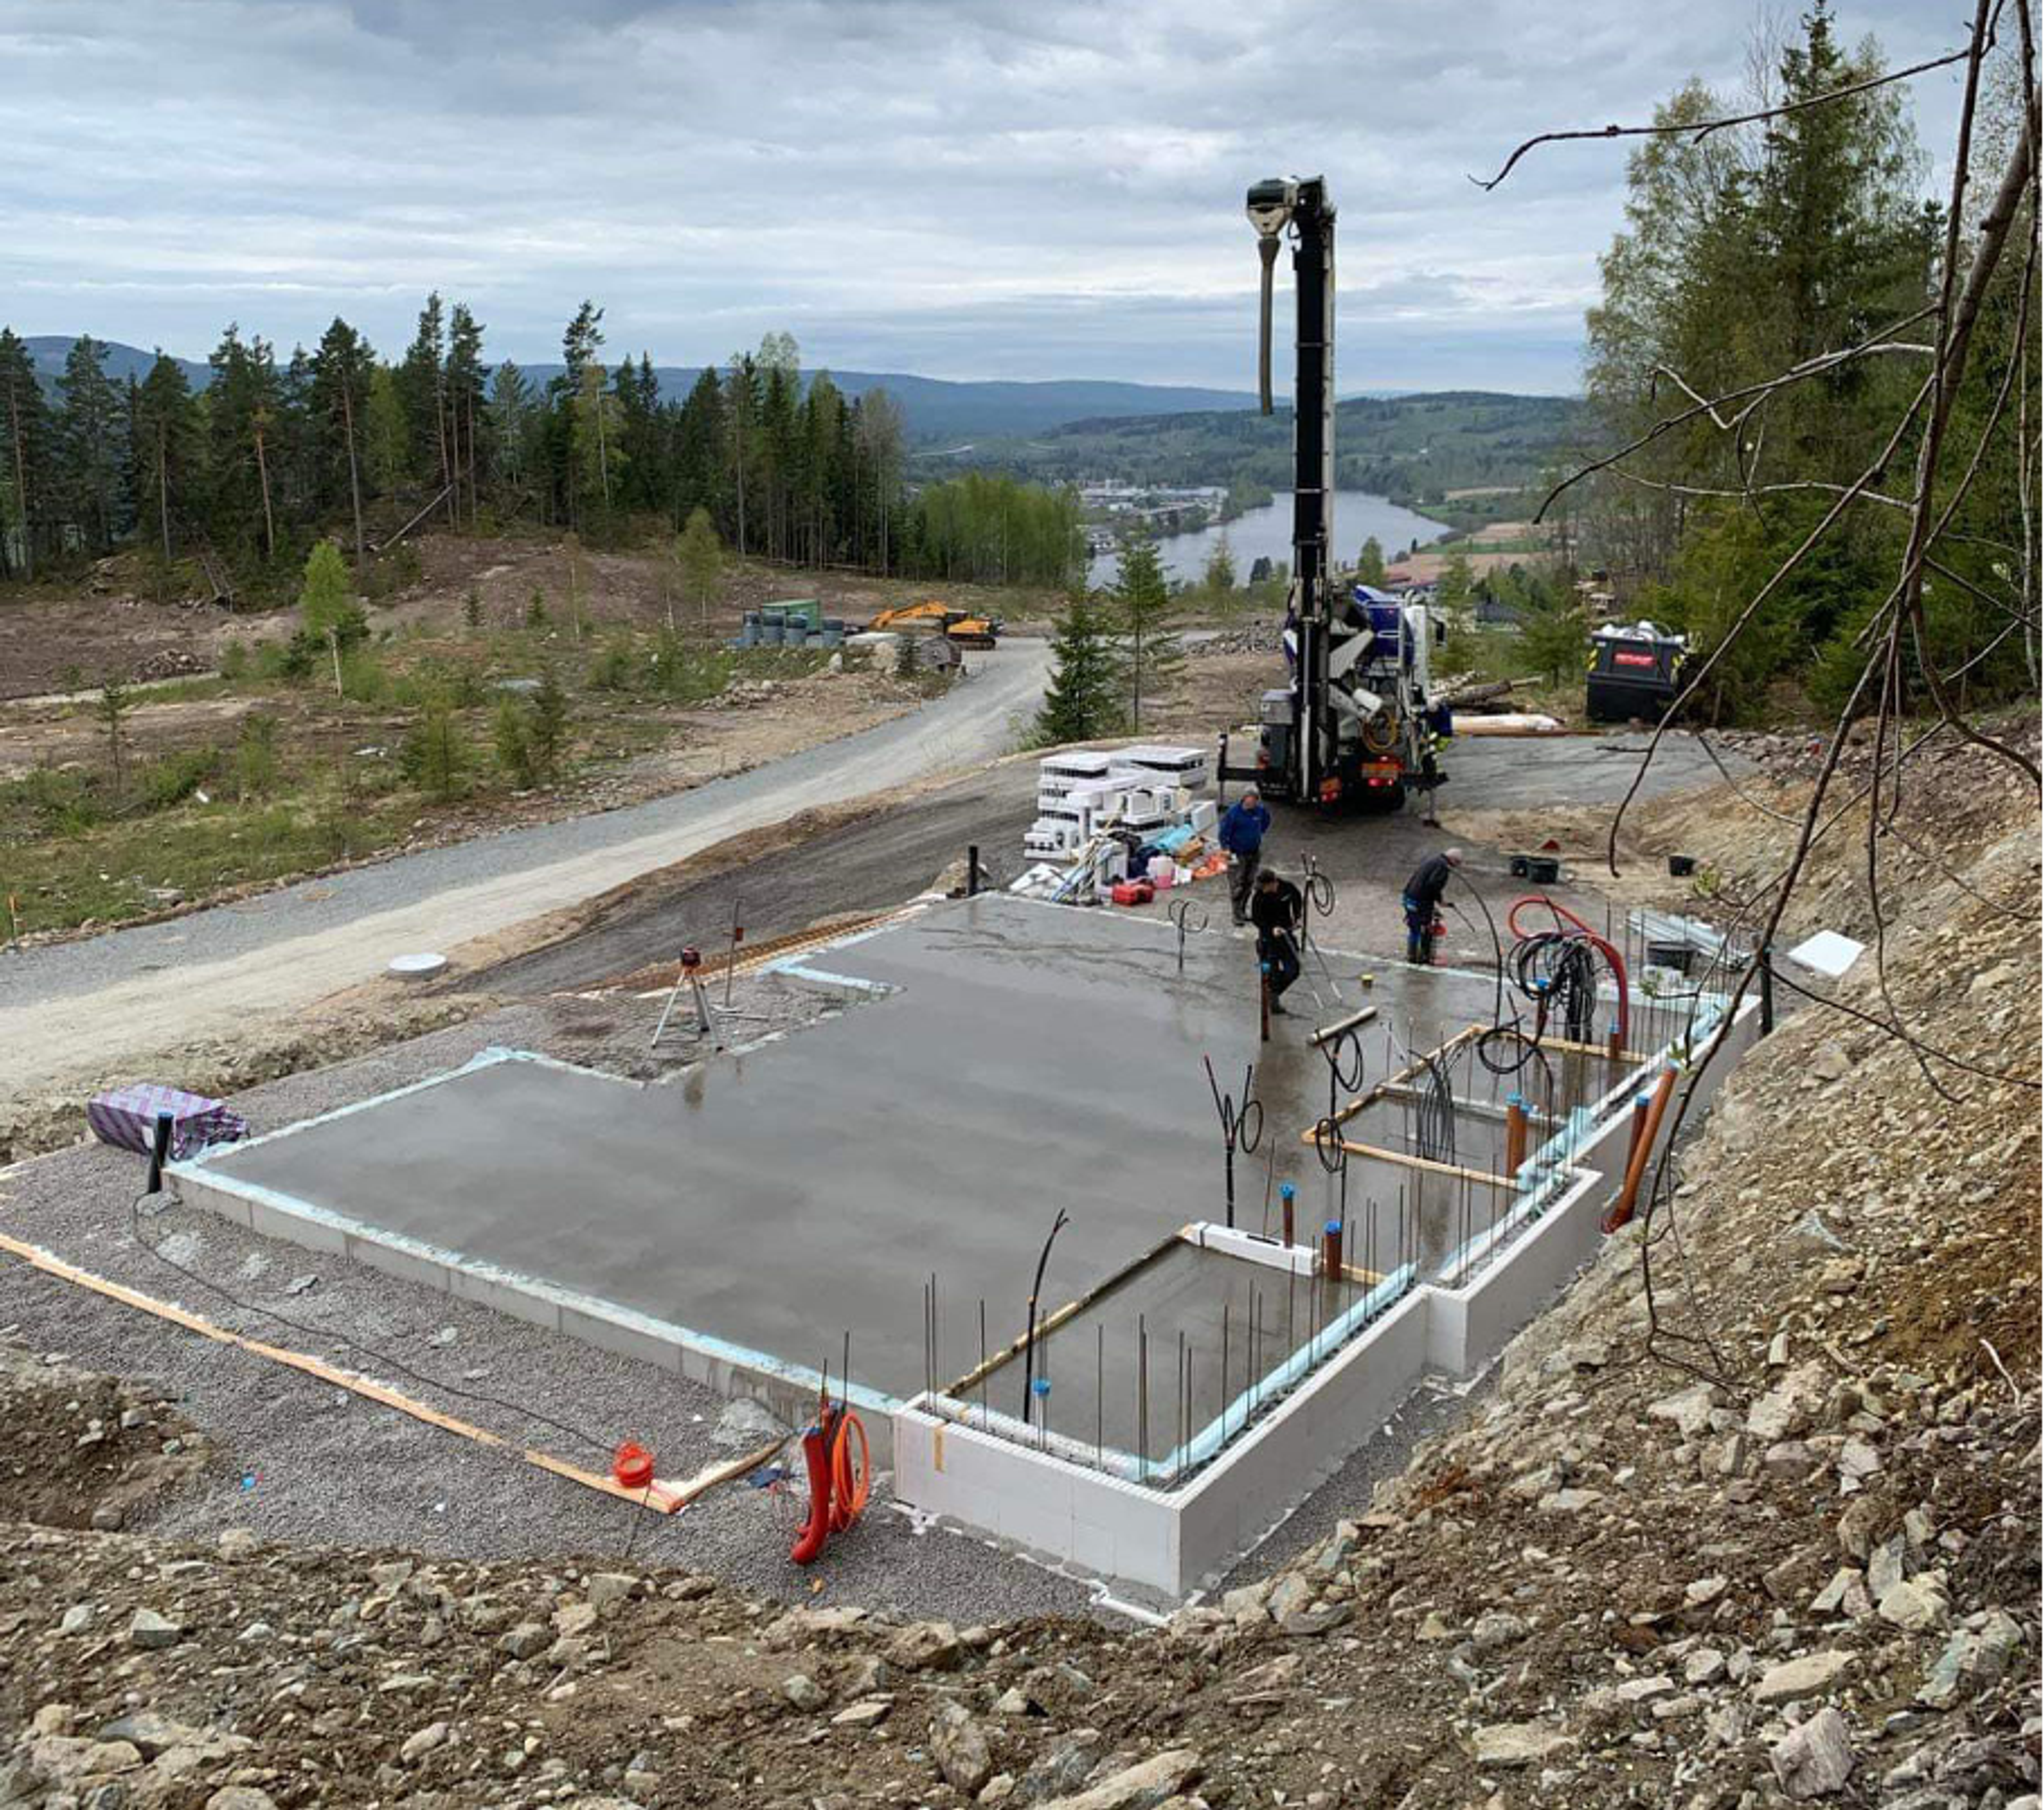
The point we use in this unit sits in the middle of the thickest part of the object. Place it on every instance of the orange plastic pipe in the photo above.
(1621, 1210)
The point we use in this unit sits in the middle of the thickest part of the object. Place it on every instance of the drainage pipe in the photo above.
(1621, 1208)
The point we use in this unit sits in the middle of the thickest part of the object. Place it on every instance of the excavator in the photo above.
(956, 626)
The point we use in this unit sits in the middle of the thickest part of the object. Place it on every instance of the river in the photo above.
(1267, 534)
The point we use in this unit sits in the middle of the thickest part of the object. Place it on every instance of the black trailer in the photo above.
(1633, 677)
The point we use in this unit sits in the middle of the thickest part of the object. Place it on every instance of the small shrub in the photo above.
(547, 726)
(63, 803)
(234, 661)
(255, 765)
(536, 617)
(615, 667)
(363, 679)
(471, 607)
(514, 745)
(174, 778)
(434, 757)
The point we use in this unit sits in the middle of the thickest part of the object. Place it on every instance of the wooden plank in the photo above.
(1051, 1321)
(1567, 1048)
(1426, 1165)
(662, 1498)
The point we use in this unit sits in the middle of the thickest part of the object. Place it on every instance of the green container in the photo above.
(807, 611)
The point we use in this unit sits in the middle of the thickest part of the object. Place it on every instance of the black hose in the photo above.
(1035, 1294)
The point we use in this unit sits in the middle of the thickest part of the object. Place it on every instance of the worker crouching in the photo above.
(1422, 904)
(1276, 911)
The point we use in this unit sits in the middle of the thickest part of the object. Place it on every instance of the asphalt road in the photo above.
(81, 1005)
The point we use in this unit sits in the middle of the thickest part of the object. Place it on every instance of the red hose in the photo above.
(838, 1488)
(816, 1528)
(1616, 962)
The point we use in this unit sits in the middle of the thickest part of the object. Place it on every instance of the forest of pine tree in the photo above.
(241, 476)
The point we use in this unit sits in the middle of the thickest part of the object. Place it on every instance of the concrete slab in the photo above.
(1007, 1059)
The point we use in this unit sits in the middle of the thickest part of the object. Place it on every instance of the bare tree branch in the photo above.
(1699, 129)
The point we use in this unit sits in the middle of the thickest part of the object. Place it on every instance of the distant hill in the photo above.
(934, 409)
(937, 409)
(1412, 448)
(49, 351)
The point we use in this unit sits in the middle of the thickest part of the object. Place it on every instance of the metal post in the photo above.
(1143, 1397)
(731, 961)
(1766, 989)
(971, 869)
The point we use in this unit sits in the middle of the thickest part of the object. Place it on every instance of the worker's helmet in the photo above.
(1452, 856)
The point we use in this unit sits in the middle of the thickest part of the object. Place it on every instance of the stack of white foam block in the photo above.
(1144, 789)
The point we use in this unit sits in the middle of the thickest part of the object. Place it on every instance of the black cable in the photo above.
(318, 1332)
(1433, 1114)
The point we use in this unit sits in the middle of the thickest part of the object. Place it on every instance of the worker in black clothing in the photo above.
(1423, 902)
(1275, 911)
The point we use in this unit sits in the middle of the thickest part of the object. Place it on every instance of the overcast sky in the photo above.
(1028, 190)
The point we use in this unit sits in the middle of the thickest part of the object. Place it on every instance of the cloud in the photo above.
(955, 186)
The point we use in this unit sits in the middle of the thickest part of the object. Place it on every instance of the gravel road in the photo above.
(81, 1005)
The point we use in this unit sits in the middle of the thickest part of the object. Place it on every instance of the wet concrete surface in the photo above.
(1205, 1328)
(1369, 857)
(1029, 1057)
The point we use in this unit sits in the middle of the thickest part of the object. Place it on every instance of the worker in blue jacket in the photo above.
(1242, 833)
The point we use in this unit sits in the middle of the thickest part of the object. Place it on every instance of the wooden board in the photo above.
(662, 1498)
(1424, 1164)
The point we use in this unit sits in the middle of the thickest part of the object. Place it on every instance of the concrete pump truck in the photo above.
(1356, 726)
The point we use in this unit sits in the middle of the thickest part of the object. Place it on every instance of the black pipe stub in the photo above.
(1681, 866)
(159, 1151)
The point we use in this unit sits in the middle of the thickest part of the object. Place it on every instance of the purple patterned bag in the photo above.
(126, 1118)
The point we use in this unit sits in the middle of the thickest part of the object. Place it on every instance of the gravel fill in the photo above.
(305, 1462)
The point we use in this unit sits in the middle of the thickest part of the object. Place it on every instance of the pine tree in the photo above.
(422, 389)
(468, 415)
(93, 432)
(435, 757)
(1220, 566)
(166, 451)
(1553, 632)
(1083, 700)
(547, 734)
(244, 404)
(1144, 613)
(1455, 592)
(341, 392)
(511, 421)
(25, 462)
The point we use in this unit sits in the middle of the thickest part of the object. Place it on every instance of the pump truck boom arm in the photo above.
(1356, 723)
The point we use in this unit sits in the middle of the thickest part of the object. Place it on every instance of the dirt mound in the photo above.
(85, 1450)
